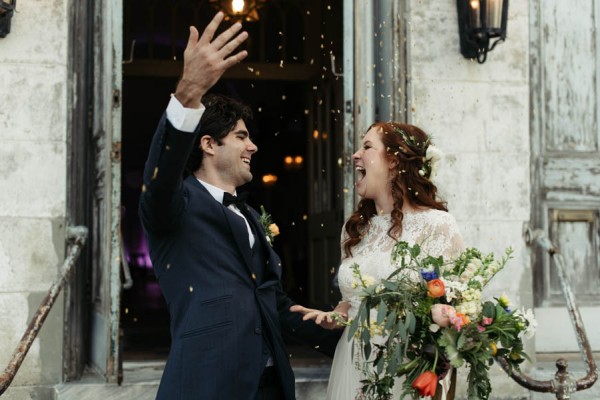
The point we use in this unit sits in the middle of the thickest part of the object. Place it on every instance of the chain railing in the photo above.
(76, 237)
(563, 385)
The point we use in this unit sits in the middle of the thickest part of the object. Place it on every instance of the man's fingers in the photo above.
(226, 36)
(234, 59)
(298, 308)
(193, 38)
(233, 44)
(211, 28)
(310, 314)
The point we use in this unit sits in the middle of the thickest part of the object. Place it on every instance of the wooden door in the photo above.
(566, 163)
(106, 195)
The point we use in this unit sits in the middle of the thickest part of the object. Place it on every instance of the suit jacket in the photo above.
(227, 310)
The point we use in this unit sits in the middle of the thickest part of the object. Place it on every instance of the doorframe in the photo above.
(79, 176)
(92, 332)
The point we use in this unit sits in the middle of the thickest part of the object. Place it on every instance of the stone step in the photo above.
(141, 383)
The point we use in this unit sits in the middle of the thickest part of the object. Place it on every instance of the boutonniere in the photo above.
(271, 229)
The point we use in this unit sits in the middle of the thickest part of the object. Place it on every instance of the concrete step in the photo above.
(141, 383)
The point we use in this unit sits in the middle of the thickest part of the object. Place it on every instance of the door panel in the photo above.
(566, 163)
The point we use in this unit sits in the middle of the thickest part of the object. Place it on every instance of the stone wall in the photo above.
(33, 155)
(478, 115)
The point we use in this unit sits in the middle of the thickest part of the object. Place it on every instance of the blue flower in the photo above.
(428, 275)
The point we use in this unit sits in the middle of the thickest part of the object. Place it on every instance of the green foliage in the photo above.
(397, 335)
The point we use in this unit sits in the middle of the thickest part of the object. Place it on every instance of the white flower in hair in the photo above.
(434, 155)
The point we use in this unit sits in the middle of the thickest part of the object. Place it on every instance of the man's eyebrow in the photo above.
(241, 132)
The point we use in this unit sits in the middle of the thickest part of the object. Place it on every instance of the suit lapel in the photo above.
(240, 234)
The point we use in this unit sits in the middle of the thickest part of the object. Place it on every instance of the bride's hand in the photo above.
(322, 318)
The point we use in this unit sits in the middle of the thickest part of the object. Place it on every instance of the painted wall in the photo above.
(33, 159)
(479, 116)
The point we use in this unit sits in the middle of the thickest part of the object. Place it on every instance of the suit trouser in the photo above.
(269, 387)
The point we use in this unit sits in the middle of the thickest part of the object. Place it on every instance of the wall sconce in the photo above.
(293, 162)
(269, 180)
(239, 10)
(7, 8)
(478, 22)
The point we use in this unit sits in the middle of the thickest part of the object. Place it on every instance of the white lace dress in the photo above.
(437, 234)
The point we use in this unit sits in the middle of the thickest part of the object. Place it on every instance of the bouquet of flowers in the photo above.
(428, 316)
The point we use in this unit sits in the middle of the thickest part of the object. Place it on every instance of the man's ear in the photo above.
(207, 144)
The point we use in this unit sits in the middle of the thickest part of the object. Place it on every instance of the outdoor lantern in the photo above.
(479, 21)
(7, 8)
(239, 10)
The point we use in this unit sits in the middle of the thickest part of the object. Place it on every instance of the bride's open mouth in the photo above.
(361, 173)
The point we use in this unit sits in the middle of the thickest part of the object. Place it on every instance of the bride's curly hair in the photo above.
(406, 147)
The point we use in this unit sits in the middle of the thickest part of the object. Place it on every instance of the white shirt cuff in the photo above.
(183, 119)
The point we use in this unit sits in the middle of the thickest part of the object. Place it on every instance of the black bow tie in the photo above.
(239, 200)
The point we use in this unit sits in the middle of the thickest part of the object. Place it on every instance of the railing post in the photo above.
(76, 237)
(562, 384)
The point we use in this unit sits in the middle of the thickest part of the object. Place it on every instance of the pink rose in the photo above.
(486, 321)
(442, 313)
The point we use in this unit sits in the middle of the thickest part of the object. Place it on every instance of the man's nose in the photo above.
(251, 146)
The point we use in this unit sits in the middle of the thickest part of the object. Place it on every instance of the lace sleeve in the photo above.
(444, 237)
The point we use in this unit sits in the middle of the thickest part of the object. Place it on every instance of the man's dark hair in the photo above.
(220, 117)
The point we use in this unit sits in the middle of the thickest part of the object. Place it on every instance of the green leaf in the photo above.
(411, 322)
(460, 342)
(391, 321)
(489, 310)
(353, 328)
(381, 314)
(402, 331)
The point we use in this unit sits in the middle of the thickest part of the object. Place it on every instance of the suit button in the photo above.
(258, 331)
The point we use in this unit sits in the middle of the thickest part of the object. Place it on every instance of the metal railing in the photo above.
(562, 384)
(76, 237)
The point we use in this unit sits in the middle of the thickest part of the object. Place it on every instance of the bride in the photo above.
(398, 203)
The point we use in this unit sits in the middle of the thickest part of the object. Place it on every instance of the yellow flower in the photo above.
(274, 229)
(368, 280)
(494, 348)
(504, 301)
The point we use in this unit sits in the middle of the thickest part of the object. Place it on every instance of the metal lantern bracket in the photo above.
(476, 30)
(6, 13)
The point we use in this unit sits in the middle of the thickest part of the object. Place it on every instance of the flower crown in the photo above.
(433, 155)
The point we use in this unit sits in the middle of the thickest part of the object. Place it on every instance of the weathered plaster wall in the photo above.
(479, 116)
(33, 126)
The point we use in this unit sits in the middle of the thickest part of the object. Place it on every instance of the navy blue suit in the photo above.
(225, 300)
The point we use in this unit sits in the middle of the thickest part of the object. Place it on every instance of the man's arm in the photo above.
(205, 60)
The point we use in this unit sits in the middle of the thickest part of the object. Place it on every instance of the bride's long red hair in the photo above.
(406, 148)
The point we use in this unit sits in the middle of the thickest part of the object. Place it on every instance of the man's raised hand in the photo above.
(206, 58)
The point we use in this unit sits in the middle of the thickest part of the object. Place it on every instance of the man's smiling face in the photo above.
(233, 156)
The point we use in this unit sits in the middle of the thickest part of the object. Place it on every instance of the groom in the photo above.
(219, 276)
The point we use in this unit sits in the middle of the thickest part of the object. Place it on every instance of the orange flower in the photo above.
(459, 320)
(436, 288)
(426, 383)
